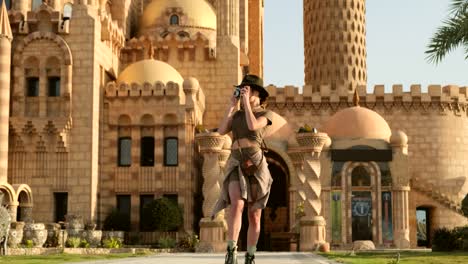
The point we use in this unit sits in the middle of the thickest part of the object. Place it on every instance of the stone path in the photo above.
(201, 258)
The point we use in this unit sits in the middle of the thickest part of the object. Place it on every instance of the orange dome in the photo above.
(357, 122)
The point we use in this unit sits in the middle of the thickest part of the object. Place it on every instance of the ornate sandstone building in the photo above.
(102, 103)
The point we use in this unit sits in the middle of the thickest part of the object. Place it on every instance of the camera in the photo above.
(237, 92)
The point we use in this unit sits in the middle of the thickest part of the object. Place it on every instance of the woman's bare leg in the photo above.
(235, 213)
(254, 220)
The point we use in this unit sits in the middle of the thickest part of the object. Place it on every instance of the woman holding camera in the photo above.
(247, 177)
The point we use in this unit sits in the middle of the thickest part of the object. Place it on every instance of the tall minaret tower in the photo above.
(335, 44)
(5, 64)
(256, 19)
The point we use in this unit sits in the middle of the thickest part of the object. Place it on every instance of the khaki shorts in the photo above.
(246, 152)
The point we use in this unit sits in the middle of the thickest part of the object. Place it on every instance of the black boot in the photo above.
(249, 259)
(231, 256)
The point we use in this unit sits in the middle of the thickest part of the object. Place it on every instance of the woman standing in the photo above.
(247, 177)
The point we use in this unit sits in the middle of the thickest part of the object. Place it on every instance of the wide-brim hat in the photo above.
(255, 83)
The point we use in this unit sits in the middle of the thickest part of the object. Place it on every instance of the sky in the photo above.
(398, 32)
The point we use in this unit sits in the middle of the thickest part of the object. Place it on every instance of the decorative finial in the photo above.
(5, 29)
(356, 98)
(150, 49)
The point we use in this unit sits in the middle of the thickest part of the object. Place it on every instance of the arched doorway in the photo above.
(22, 200)
(423, 226)
(274, 234)
(7, 195)
(361, 203)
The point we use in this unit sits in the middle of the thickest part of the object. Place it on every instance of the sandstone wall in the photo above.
(435, 123)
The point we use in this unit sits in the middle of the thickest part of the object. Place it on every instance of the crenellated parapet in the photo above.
(158, 90)
(189, 96)
(170, 47)
(111, 33)
(44, 18)
(441, 99)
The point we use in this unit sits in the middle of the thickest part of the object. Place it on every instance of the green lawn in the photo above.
(62, 258)
(405, 257)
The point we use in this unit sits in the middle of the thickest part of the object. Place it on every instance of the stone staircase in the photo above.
(437, 193)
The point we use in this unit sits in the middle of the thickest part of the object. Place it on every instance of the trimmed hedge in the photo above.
(117, 221)
(161, 215)
(449, 240)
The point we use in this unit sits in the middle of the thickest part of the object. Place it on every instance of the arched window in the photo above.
(174, 20)
(124, 151)
(67, 11)
(32, 86)
(336, 174)
(31, 73)
(164, 34)
(36, 4)
(147, 141)
(171, 151)
(53, 77)
(360, 177)
(183, 34)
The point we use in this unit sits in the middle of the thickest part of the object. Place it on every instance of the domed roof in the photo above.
(279, 129)
(199, 13)
(357, 122)
(150, 71)
(399, 138)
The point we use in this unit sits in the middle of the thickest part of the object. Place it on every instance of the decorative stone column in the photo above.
(401, 225)
(312, 225)
(296, 154)
(399, 168)
(5, 64)
(13, 209)
(215, 150)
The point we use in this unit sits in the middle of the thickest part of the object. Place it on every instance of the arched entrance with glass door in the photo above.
(361, 203)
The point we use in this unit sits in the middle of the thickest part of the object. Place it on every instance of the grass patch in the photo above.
(405, 257)
(61, 258)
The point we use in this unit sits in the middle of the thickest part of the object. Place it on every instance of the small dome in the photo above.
(150, 71)
(357, 122)
(399, 138)
(198, 13)
(191, 84)
(279, 129)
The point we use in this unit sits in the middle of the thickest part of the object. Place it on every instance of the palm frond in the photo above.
(458, 7)
(451, 35)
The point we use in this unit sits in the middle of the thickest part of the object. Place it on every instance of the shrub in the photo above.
(84, 244)
(445, 240)
(73, 242)
(162, 215)
(28, 243)
(465, 206)
(462, 237)
(117, 221)
(189, 242)
(112, 242)
(166, 242)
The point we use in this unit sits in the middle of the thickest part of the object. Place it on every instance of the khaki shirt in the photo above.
(240, 128)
